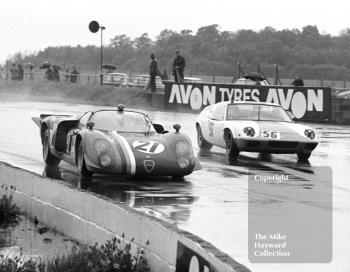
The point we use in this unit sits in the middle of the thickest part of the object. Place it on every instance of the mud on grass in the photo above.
(74, 93)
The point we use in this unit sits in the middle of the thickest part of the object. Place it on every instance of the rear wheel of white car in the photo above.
(304, 156)
(202, 143)
(83, 171)
(47, 156)
(231, 148)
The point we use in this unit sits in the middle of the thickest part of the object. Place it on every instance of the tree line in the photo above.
(209, 51)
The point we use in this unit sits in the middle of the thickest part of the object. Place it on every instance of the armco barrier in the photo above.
(91, 218)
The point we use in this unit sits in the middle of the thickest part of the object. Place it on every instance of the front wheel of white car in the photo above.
(304, 156)
(202, 143)
(231, 148)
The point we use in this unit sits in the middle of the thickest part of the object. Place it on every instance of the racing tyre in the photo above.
(265, 156)
(84, 182)
(83, 171)
(231, 148)
(178, 178)
(202, 143)
(47, 156)
(304, 156)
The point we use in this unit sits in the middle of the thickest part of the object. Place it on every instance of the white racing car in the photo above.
(253, 127)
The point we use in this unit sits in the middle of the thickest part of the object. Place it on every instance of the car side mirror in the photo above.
(291, 115)
(159, 128)
(90, 125)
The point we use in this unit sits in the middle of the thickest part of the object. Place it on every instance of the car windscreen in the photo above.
(122, 121)
(257, 112)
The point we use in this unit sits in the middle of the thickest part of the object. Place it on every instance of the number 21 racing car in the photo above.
(253, 127)
(115, 141)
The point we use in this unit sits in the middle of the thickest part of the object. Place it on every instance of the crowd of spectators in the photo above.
(52, 73)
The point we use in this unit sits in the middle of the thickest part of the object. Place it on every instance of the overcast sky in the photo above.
(35, 24)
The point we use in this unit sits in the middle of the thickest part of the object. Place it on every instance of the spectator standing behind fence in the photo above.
(49, 73)
(31, 72)
(20, 72)
(55, 74)
(74, 75)
(67, 79)
(179, 67)
(153, 72)
(14, 72)
(297, 81)
(164, 75)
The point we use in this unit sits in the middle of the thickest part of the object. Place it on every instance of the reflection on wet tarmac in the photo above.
(160, 197)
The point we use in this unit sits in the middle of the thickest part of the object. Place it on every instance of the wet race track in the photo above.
(213, 202)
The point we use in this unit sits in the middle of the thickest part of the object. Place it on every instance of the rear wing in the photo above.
(38, 120)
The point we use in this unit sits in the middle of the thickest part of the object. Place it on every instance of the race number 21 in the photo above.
(148, 147)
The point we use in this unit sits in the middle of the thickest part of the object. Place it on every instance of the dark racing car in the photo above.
(122, 142)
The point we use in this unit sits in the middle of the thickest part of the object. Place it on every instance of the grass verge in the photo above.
(113, 256)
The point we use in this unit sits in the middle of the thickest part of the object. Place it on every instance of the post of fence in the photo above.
(276, 74)
(7, 69)
(214, 72)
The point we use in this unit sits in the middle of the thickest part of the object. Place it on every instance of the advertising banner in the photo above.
(189, 260)
(306, 103)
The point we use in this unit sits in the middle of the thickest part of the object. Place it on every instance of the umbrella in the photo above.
(109, 66)
(45, 65)
(254, 76)
(56, 67)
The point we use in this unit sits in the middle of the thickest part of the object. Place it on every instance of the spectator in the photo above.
(153, 72)
(179, 67)
(31, 72)
(49, 74)
(14, 72)
(74, 75)
(20, 72)
(164, 75)
(297, 82)
(67, 76)
(55, 74)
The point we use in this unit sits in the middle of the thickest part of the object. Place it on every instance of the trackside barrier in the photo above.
(306, 103)
(340, 111)
(91, 218)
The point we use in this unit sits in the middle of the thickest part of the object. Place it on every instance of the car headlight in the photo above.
(184, 162)
(183, 149)
(100, 146)
(309, 133)
(249, 131)
(184, 154)
(105, 160)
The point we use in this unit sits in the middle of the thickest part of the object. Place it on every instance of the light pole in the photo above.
(94, 26)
